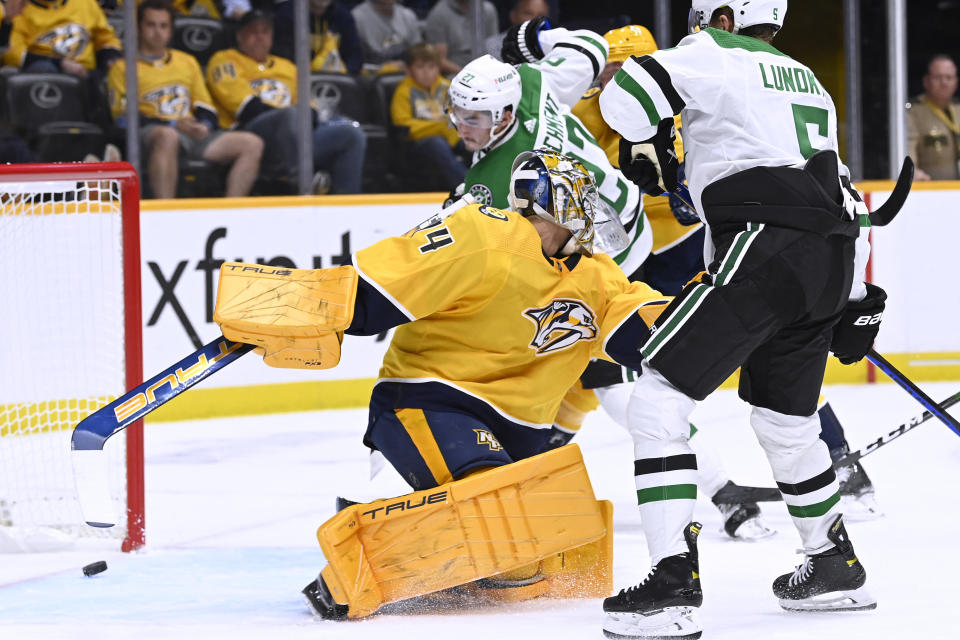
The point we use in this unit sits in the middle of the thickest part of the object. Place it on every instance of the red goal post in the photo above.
(71, 286)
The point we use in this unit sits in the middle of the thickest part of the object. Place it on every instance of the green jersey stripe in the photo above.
(676, 320)
(732, 41)
(601, 50)
(669, 492)
(627, 82)
(813, 510)
(737, 250)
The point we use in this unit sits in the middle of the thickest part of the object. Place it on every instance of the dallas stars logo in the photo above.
(482, 194)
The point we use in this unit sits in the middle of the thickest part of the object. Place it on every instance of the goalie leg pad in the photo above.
(295, 317)
(489, 523)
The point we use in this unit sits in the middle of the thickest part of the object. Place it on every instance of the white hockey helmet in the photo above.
(746, 13)
(486, 88)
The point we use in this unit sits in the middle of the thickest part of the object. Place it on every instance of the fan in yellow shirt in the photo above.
(49, 36)
(255, 91)
(418, 109)
(176, 111)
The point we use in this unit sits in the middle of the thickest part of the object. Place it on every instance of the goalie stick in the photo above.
(738, 493)
(91, 434)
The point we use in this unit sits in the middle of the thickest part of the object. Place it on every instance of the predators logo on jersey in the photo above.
(561, 324)
(272, 92)
(65, 40)
(487, 438)
(172, 102)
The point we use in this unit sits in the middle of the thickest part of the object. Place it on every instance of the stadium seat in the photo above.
(198, 36)
(65, 141)
(50, 111)
(337, 94)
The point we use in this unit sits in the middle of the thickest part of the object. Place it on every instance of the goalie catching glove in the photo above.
(652, 164)
(854, 334)
(295, 317)
(522, 42)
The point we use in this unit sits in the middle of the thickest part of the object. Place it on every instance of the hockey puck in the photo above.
(94, 568)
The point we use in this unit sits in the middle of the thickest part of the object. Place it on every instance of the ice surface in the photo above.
(233, 505)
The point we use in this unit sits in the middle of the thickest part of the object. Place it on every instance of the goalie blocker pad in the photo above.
(537, 509)
(295, 317)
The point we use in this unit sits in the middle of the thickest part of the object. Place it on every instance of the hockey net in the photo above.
(70, 325)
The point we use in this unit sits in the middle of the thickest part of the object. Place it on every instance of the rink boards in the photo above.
(184, 242)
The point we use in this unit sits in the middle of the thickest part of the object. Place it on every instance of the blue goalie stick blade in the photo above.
(91, 434)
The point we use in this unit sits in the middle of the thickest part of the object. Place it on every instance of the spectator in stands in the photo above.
(176, 111)
(419, 105)
(50, 36)
(451, 31)
(522, 11)
(386, 32)
(8, 11)
(933, 123)
(217, 9)
(335, 43)
(255, 91)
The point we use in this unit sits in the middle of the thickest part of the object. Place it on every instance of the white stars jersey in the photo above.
(744, 104)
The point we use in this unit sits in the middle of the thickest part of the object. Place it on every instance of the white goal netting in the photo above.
(62, 354)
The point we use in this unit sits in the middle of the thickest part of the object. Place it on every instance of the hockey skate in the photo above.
(665, 604)
(829, 581)
(857, 496)
(322, 603)
(741, 520)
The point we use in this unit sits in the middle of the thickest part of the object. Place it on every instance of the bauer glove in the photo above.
(854, 334)
(522, 42)
(652, 164)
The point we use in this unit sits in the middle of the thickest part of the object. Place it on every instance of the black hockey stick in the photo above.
(736, 494)
(914, 391)
(909, 425)
(889, 209)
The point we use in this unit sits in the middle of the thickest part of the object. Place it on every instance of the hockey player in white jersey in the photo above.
(783, 288)
(501, 110)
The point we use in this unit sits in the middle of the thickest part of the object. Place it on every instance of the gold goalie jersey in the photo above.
(171, 88)
(73, 29)
(493, 318)
(235, 79)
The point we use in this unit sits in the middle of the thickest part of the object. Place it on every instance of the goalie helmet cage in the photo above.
(71, 327)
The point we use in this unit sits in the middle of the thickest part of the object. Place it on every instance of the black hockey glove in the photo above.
(652, 164)
(854, 334)
(455, 194)
(522, 42)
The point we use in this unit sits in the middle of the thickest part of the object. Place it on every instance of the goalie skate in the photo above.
(828, 581)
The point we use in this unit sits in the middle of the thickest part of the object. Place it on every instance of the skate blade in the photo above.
(853, 600)
(860, 508)
(669, 623)
(753, 530)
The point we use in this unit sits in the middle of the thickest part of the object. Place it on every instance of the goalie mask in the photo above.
(746, 13)
(559, 189)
